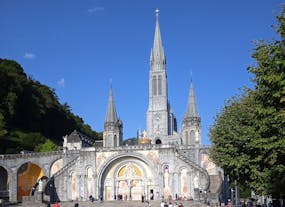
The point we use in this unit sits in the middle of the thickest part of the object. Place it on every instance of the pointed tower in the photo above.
(191, 127)
(160, 119)
(113, 127)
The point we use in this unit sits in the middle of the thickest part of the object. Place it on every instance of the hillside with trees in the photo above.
(248, 135)
(31, 116)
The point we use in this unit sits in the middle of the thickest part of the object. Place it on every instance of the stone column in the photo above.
(175, 186)
(189, 184)
(161, 185)
(13, 185)
(95, 185)
(171, 184)
(179, 184)
(81, 187)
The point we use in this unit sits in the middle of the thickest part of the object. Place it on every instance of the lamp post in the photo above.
(237, 199)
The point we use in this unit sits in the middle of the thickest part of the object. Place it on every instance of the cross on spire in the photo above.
(157, 13)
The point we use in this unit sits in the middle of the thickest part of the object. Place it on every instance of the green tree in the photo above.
(269, 96)
(48, 146)
(231, 134)
(32, 110)
(248, 135)
(3, 131)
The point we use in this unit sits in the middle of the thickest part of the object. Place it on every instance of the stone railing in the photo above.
(135, 147)
(36, 154)
(197, 166)
(65, 167)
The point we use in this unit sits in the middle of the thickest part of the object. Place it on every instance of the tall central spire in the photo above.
(160, 121)
(157, 54)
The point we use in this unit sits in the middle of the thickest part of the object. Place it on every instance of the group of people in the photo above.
(165, 204)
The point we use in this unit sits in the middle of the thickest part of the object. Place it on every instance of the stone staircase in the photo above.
(64, 168)
(191, 163)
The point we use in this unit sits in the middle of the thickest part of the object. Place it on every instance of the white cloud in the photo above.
(96, 9)
(29, 56)
(61, 83)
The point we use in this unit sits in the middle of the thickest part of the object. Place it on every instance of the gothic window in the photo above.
(159, 85)
(154, 85)
(192, 137)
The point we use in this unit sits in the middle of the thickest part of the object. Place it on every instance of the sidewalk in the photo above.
(155, 203)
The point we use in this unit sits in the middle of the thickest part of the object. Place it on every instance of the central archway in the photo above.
(126, 177)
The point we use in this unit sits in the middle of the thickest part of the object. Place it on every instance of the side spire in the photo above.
(157, 54)
(192, 106)
(111, 115)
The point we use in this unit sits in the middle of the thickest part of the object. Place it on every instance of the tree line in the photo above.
(31, 116)
(248, 134)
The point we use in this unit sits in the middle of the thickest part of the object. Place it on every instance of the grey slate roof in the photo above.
(157, 53)
(76, 136)
(192, 106)
(111, 115)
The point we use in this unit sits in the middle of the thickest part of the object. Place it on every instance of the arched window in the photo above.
(159, 85)
(154, 85)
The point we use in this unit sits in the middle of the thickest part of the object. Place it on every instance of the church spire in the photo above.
(157, 54)
(192, 106)
(191, 127)
(111, 115)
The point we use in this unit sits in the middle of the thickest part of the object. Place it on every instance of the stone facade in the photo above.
(165, 164)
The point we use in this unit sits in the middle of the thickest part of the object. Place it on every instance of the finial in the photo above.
(157, 13)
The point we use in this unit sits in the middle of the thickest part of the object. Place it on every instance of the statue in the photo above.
(196, 181)
(40, 189)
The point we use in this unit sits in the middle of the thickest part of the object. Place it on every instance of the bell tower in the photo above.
(191, 126)
(160, 121)
(113, 126)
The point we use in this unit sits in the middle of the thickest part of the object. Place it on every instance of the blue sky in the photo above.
(76, 47)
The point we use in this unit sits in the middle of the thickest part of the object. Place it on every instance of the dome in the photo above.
(144, 141)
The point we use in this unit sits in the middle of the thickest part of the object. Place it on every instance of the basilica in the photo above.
(163, 164)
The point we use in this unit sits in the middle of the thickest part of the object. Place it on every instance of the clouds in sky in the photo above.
(29, 56)
(61, 83)
(96, 9)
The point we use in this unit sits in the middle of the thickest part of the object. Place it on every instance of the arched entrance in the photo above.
(4, 185)
(126, 178)
(28, 175)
